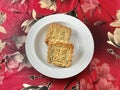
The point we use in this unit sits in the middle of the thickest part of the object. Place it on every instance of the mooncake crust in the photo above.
(57, 32)
(60, 54)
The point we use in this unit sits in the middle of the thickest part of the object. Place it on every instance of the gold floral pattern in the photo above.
(48, 4)
(116, 23)
(114, 39)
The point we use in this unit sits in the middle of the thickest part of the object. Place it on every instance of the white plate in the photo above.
(36, 49)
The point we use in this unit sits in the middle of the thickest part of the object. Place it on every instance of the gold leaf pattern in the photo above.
(117, 36)
(34, 14)
(115, 24)
(118, 15)
(2, 29)
(114, 39)
(26, 25)
(109, 42)
(117, 31)
(53, 7)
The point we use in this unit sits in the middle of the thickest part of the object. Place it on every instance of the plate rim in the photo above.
(28, 45)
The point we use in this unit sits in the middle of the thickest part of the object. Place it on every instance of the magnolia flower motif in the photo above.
(16, 61)
(13, 60)
(2, 45)
(25, 63)
(34, 14)
(27, 24)
(48, 4)
(114, 39)
(103, 84)
(90, 5)
(117, 22)
(103, 71)
(19, 40)
(18, 57)
(85, 85)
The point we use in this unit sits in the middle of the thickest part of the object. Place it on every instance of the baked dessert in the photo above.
(60, 54)
(57, 32)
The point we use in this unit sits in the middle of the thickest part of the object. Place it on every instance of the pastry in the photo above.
(60, 54)
(57, 32)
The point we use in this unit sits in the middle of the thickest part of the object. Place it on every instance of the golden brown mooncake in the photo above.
(60, 54)
(57, 32)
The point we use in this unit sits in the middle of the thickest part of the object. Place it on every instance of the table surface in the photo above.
(102, 17)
